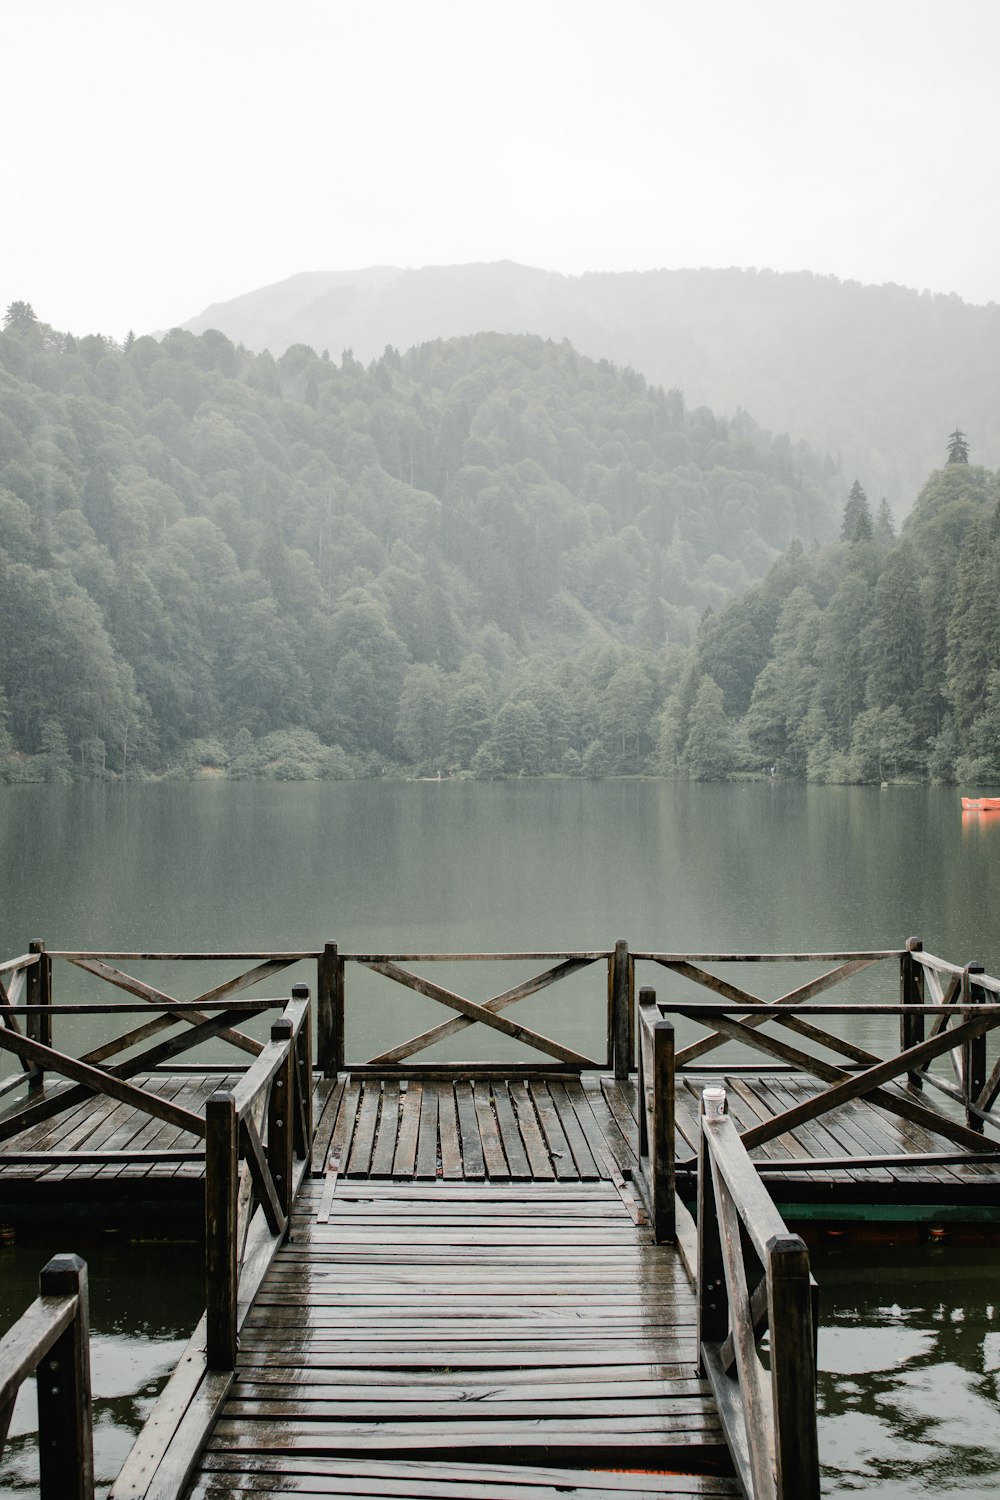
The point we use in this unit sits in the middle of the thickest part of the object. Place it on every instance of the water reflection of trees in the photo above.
(913, 1407)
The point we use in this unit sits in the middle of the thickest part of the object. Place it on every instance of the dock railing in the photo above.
(27, 1008)
(946, 1014)
(51, 1340)
(768, 1412)
(250, 1172)
(655, 1178)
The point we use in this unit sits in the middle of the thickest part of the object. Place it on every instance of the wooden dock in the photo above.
(495, 1279)
(484, 1330)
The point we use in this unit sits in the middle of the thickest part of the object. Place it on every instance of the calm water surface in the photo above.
(910, 1348)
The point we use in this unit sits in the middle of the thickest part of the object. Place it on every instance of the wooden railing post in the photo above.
(38, 991)
(973, 1051)
(911, 992)
(656, 1114)
(221, 1250)
(65, 1441)
(303, 1112)
(623, 1010)
(713, 1298)
(330, 1011)
(280, 1118)
(793, 1368)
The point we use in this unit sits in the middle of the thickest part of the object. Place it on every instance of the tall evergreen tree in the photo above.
(958, 448)
(857, 522)
(894, 647)
(708, 753)
(974, 626)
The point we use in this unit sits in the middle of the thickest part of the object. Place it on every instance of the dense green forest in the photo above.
(872, 375)
(874, 658)
(486, 555)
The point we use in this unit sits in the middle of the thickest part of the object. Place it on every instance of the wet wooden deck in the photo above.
(498, 1130)
(457, 1322)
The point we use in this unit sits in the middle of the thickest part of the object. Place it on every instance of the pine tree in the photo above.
(885, 529)
(958, 448)
(857, 522)
(895, 638)
(708, 753)
(973, 626)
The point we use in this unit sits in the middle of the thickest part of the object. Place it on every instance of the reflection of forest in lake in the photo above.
(461, 866)
(909, 1359)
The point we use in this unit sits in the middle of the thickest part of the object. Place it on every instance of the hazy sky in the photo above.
(157, 157)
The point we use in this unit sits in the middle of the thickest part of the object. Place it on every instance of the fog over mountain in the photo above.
(871, 374)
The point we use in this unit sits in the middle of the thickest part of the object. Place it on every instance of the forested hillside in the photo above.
(485, 554)
(870, 374)
(875, 658)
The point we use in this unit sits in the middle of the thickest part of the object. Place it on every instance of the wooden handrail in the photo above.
(769, 1416)
(249, 1170)
(51, 1340)
(657, 1075)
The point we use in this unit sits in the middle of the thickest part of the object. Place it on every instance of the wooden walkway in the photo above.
(463, 1323)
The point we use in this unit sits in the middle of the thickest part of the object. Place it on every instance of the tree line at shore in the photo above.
(871, 659)
(486, 556)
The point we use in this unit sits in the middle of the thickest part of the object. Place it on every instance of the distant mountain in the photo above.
(876, 376)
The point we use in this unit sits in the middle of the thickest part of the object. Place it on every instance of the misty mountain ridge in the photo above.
(870, 374)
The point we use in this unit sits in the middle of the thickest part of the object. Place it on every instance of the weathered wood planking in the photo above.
(466, 1129)
(873, 1157)
(447, 1337)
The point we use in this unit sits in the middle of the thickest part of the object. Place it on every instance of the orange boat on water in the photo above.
(981, 804)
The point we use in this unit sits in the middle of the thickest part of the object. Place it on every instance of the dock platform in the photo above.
(504, 1279)
(856, 1163)
(586, 1129)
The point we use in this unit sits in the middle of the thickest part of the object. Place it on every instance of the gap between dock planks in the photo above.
(468, 1339)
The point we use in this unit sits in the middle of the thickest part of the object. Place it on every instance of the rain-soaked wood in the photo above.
(845, 1086)
(656, 1116)
(144, 991)
(476, 1012)
(803, 992)
(38, 991)
(110, 1081)
(330, 1010)
(52, 1339)
(496, 1003)
(92, 1080)
(772, 1430)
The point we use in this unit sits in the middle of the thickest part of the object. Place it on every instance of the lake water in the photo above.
(910, 1347)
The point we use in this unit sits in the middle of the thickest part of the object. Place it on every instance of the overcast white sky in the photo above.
(156, 157)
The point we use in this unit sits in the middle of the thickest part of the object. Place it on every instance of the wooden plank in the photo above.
(385, 1147)
(489, 1134)
(473, 1162)
(555, 1136)
(475, 1481)
(531, 1136)
(427, 1137)
(360, 1160)
(451, 1150)
(510, 1135)
(405, 1159)
(326, 1120)
(576, 1138)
